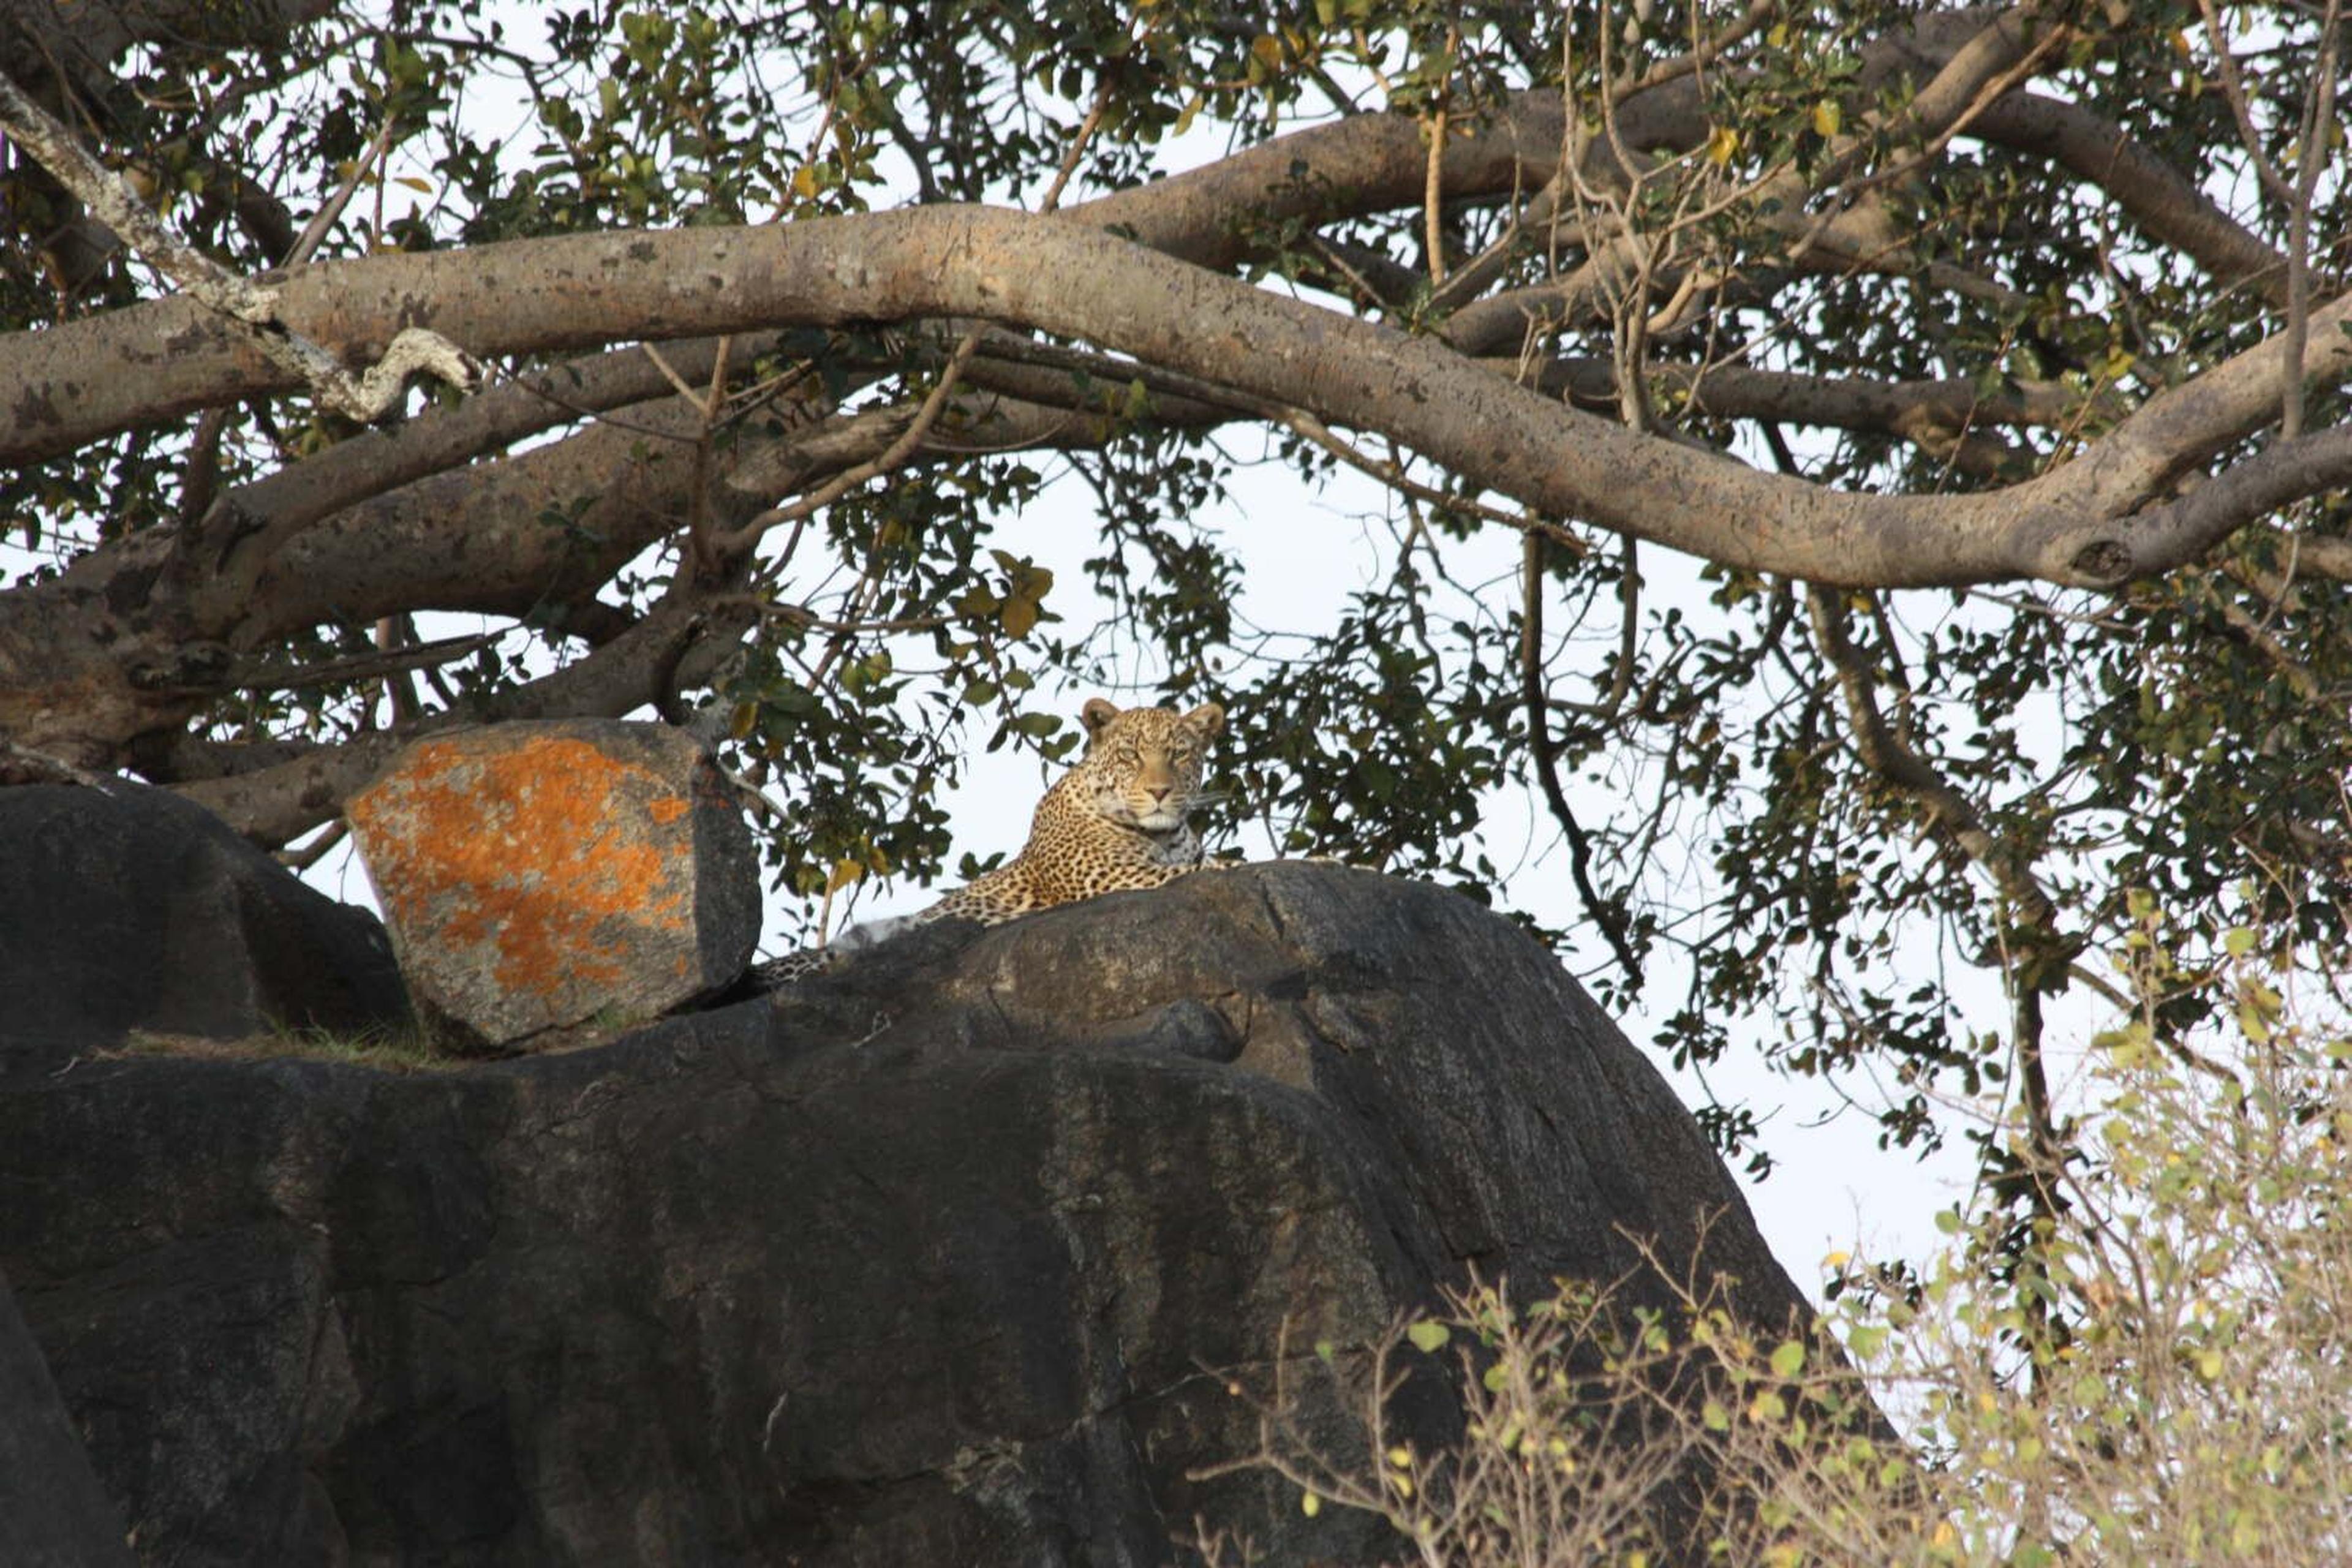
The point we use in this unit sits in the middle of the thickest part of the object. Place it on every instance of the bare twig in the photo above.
(653, 353)
(1432, 200)
(1086, 129)
(1707, 51)
(1394, 477)
(389, 660)
(311, 854)
(314, 233)
(1546, 766)
(393, 632)
(1472, 276)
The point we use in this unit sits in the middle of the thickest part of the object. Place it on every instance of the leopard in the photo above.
(1117, 821)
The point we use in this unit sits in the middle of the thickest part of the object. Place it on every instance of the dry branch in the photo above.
(111, 198)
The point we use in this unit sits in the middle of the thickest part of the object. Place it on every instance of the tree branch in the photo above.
(2184, 530)
(901, 448)
(2070, 526)
(227, 560)
(111, 198)
(2165, 203)
(1946, 416)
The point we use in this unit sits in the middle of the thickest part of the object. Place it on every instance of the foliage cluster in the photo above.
(2171, 1383)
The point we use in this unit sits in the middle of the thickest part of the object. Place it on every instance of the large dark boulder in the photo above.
(942, 1260)
(126, 908)
(53, 1514)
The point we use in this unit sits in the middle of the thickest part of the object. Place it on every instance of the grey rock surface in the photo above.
(127, 908)
(53, 1513)
(945, 1258)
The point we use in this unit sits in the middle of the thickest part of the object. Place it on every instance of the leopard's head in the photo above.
(1142, 765)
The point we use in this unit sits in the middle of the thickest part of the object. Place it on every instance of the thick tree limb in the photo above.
(360, 534)
(1365, 163)
(2071, 526)
(176, 756)
(2166, 205)
(537, 530)
(90, 36)
(225, 562)
(391, 552)
(2286, 471)
(2176, 431)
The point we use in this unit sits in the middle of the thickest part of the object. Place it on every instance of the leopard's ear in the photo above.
(1205, 721)
(1097, 714)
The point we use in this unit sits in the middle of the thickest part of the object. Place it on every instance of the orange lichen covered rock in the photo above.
(541, 875)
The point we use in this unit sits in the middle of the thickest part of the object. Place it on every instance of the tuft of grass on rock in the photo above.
(406, 1050)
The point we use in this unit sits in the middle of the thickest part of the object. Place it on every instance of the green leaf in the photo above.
(1428, 1337)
